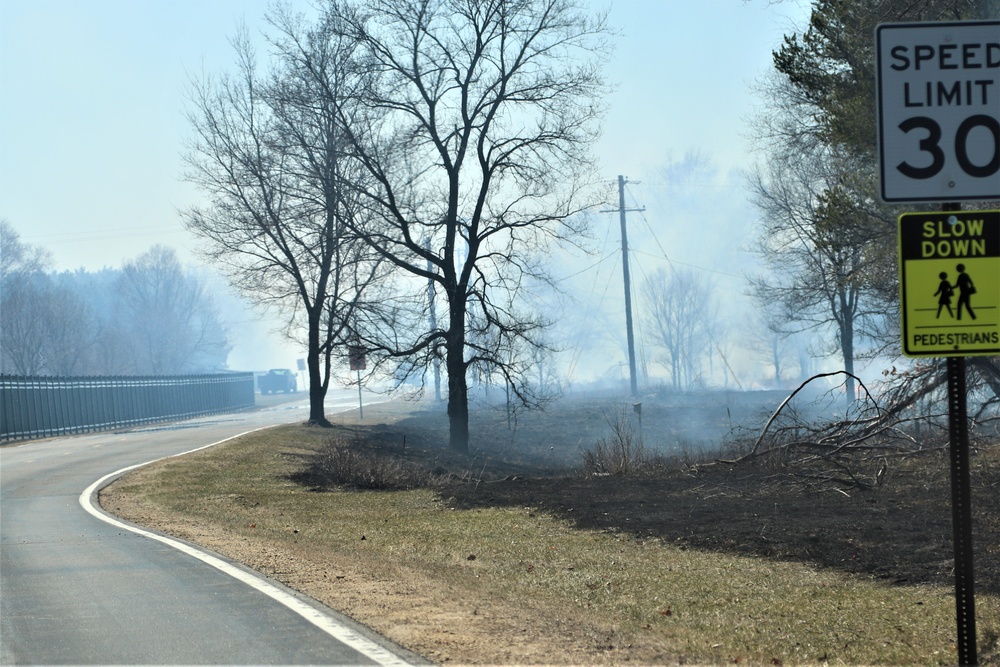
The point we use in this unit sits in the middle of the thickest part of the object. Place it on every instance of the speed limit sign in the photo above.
(939, 110)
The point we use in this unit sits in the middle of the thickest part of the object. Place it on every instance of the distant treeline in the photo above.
(149, 317)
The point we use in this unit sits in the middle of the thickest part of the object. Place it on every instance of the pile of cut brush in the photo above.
(907, 416)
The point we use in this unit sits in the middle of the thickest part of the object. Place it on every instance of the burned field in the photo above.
(886, 513)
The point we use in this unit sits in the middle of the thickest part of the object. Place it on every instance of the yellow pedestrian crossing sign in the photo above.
(949, 283)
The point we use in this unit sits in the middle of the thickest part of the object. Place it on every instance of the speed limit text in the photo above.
(943, 57)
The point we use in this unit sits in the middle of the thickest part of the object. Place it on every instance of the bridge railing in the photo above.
(37, 407)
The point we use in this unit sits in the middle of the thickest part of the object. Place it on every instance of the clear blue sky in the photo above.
(92, 120)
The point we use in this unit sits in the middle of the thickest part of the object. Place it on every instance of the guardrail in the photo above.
(38, 407)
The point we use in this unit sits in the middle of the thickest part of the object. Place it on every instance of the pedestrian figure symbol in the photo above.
(945, 290)
(965, 290)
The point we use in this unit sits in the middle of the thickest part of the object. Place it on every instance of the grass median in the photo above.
(518, 584)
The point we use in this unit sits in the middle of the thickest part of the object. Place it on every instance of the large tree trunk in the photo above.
(317, 388)
(847, 349)
(458, 385)
(851, 389)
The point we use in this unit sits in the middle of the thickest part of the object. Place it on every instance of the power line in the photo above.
(578, 352)
(693, 266)
(584, 270)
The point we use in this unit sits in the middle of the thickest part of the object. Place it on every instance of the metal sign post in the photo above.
(961, 512)
(961, 505)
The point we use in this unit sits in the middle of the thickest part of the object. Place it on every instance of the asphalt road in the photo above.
(79, 587)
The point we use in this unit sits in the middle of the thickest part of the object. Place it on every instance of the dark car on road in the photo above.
(277, 379)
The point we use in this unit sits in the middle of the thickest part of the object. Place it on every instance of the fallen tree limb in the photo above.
(774, 415)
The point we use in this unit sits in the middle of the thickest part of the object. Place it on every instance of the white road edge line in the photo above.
(340, 632)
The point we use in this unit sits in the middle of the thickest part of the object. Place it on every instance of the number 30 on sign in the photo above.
(939, 110)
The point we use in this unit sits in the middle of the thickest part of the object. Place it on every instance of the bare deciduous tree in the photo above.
(474, 126)
(72, 331)
(21, 338)
(777, 343)
(270, 154)
(819, 262)
(22, 327)
(16, 257)
(148, 318)
(681, 315)
(169, 321)
(45, 327)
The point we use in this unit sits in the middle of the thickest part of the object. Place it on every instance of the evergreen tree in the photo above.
(829, 242)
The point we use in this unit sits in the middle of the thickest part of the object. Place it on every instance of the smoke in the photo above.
(696, 221)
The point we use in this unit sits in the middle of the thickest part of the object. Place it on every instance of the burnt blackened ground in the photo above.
(899, 532)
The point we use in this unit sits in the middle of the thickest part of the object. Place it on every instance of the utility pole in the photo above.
(628, 283)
